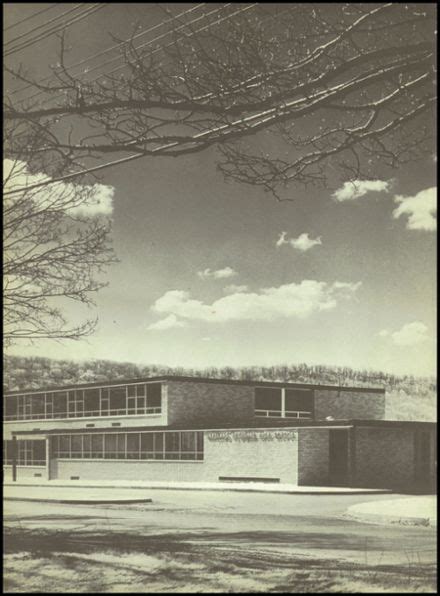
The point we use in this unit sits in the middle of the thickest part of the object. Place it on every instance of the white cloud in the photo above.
(170, 322)
(303, 242)
(290, 300)
(421, 209)
(218, 274)
(359, 188)
(234, 289)
(410, 334)
(76, 199)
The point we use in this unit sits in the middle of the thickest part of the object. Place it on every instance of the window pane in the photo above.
(267, 399)
(76, 445)
(87, 445)
(299, 400)
(133, 441)
(118, 397)
(154, 395)
(146, 445)
(188, 441)
(110, 446)
(140, 390)
(120, 442)
(60, 403)
(131, 390)
(97, 445)
(172, 446)
(64, 443)
(91, 400)
(158, 445)
(200, 438)
(37, 404)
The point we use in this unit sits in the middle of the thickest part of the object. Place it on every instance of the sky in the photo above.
(213, 273)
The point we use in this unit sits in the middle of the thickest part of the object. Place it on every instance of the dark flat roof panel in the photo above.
(248, 426)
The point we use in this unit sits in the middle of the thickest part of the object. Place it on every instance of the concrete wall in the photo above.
(208, 403)
(349, 404)
(104, 422)
(25, 472)
(267, 455)
(313, 460)
(384, 457)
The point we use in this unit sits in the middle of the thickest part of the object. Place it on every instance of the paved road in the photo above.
(235, 531)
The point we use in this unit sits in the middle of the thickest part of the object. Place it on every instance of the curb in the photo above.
(80, 501)
(219, 489)
(377, 518)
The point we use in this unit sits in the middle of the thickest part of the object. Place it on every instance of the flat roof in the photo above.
(179, 379)
(233, 426)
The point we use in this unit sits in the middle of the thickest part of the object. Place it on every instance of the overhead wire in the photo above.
(157, 39)
(102, 52)
(56, 29)
(123, 159)
(60, 16)
(32, 16)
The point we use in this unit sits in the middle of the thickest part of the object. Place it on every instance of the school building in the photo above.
(196, 429)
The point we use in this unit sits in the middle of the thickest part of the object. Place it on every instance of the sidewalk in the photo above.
(414, 511)
(106, 488)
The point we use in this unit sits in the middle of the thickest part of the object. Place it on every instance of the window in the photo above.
(284, 403)
(298, 403)
(60, 404)
(91, 402)
(133, 445)
(29, 453)
(172, 445)
(169, 445)
(267, 401)
(120, 400)
(154, 397)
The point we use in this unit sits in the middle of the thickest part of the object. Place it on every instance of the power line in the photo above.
(36, 14)
(101, 53)
(60, 16)
(152, 41)
(54, 30)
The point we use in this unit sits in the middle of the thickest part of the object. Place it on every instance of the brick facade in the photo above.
(384, 457)
(345, 405)
(208, 403)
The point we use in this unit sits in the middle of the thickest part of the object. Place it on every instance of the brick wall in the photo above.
(268, 455)
(207, 403)
(349, 404)
(384, 457)
(313, 449)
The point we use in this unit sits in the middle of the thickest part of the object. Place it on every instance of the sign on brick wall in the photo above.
(250, 436)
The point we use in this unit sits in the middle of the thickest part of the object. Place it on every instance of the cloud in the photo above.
(290, 300)
(303, 242)
(384, 333)
(409, 335)
(75, 199)
(234, 289)
(359, 188)
(170, 322)
(218, 274)
(421, 209)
